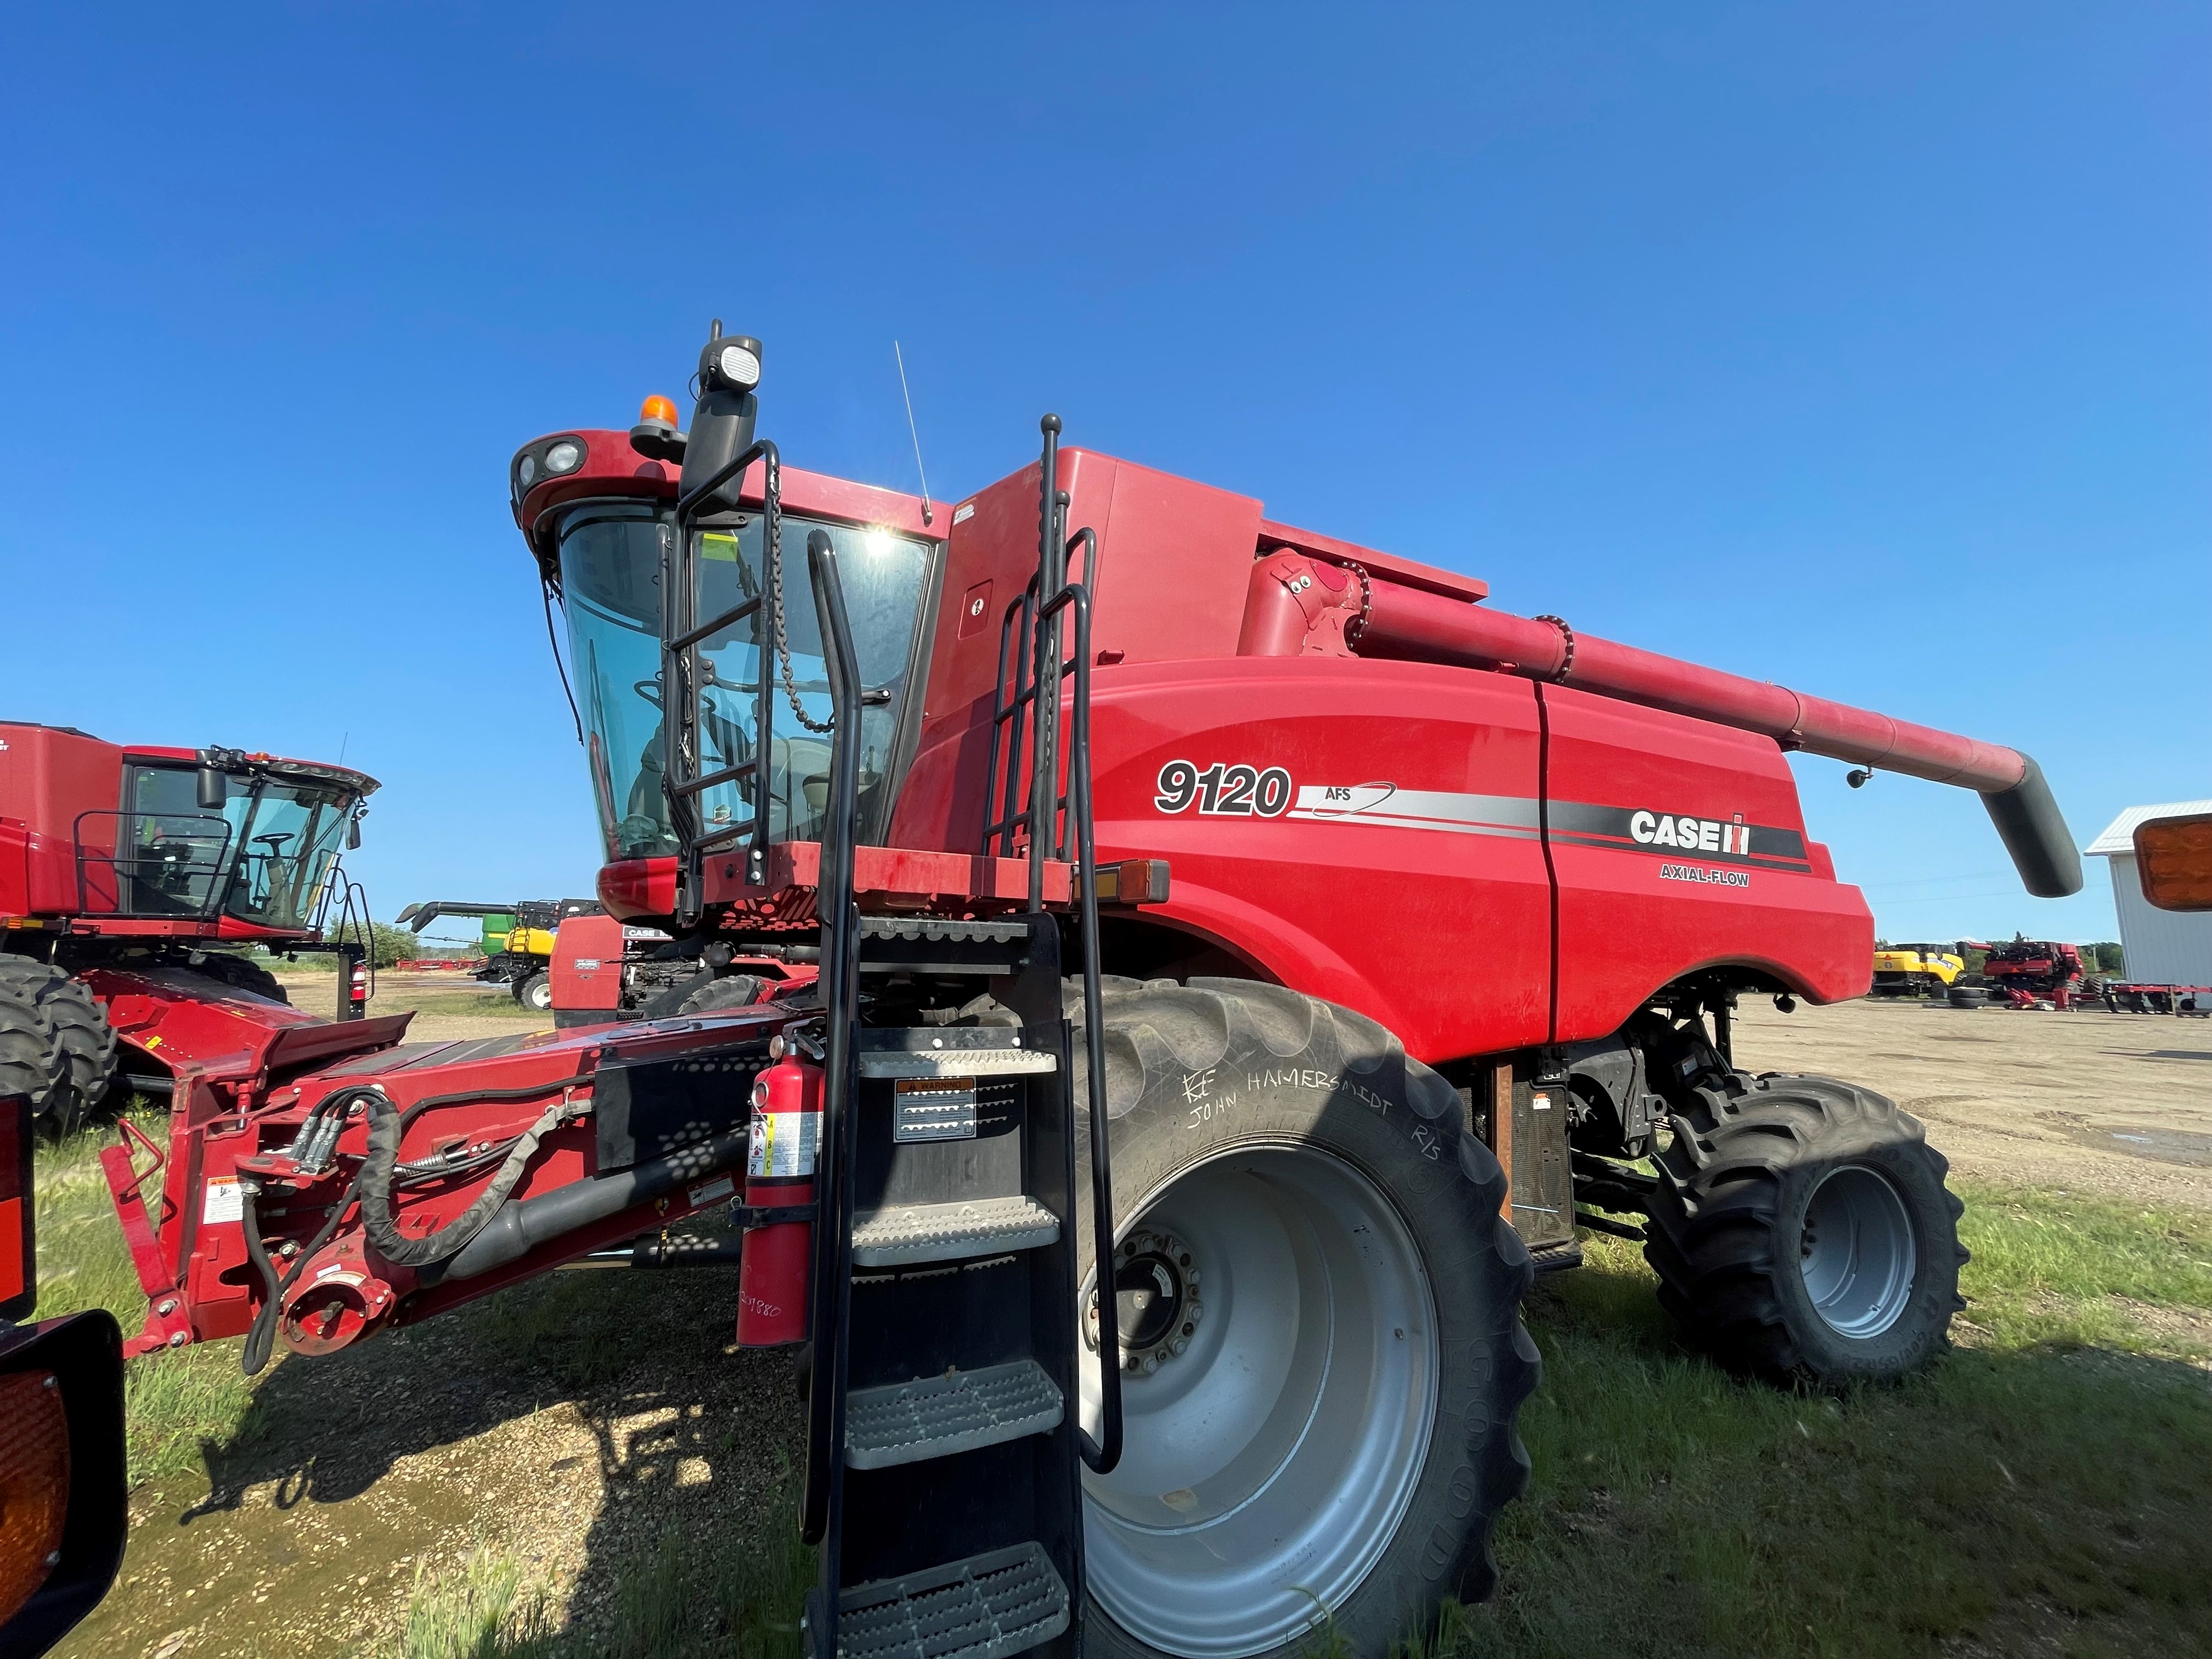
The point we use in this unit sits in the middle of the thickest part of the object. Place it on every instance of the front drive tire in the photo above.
(535, 992)
(1802, 1232)
(77, 1047)
(1320, 1302)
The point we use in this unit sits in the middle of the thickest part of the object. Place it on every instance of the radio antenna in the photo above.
(927, 516)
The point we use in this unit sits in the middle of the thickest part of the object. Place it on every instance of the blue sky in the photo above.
(1864, 348)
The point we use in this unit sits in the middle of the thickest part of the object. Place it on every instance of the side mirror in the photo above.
(213, 789)
(61, 1465)
(2174, 861)
(353, 835)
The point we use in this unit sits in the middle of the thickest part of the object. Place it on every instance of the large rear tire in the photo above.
(704, 993)
(1802, 1233)
(76, 1043)
(241, 975)
(1319, 1300)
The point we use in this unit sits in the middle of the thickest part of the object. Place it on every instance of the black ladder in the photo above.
(944, 1443)
(685, 721)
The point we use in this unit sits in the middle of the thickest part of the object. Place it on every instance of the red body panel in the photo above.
(49, 779)
(587, 964)
(611, 467)
(1421, 893)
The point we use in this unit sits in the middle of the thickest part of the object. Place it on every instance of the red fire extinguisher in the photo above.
(774, 1272)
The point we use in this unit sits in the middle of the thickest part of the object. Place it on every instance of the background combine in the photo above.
(131, 883)
(1176, 1293)
(517, 939)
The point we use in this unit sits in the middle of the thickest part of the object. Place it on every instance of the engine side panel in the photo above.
(48, 778)
(1678, 845)
(1395, 862)
(1399, 871)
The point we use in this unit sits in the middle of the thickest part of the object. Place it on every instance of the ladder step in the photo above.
(938, 1416)
(988, 1606)
(903, 1233)
(957, 1062)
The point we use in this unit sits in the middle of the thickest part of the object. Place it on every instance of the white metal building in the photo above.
(2163, 947)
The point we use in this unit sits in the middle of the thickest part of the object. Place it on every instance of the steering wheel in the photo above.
(274, 841)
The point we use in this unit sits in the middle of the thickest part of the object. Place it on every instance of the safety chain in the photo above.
(1566, 663)
(1358, 625)
(776, 605)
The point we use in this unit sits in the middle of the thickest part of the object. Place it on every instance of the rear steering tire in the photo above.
(1802, 1232)
(1318, 1300)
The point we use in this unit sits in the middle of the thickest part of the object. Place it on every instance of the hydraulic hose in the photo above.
(260, 1340)
(519, 1228)
(374, 1180)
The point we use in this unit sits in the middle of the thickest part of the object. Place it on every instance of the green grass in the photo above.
(2045, 1488)
(174, 1400)
(2047, 1485)
(689, 1596)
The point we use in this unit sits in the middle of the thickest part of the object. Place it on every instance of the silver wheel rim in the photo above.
(1267, 1463)
(1857, 1253)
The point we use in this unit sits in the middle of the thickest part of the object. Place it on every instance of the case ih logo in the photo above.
(1690, 835)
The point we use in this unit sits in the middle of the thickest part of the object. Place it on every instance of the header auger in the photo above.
(1161, 980)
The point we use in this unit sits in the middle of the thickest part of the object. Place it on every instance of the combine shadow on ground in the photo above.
(595, 1428)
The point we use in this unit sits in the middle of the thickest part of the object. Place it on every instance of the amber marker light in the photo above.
(655, 435)
(34, 1485)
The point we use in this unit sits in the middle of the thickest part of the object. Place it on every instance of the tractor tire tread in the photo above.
(78, 1046)
(1158, 1034)
(1733, 1181)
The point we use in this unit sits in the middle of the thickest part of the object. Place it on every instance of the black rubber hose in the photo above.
(261, 1338)
(262, 1333)
(374, 1180)
(2034, 832)
(520, 1228)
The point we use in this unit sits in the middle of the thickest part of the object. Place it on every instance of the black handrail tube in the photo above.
(1045, 674)
(683, 680)
(735, 614)
(822, 1508)
(1102, 1454)
(728, 774)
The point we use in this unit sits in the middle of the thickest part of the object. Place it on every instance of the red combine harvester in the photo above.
(2032, 972)
(129, 880)
(1400, 930)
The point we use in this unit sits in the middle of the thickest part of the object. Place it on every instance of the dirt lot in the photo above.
(595, 1427)
(2117, 1104)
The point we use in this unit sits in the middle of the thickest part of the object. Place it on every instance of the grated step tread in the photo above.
(938, 929)
(902, 1233)
(988, 1606)
(940, 1416)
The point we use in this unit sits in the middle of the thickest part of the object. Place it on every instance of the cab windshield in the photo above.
(611, 586)
(265, 858)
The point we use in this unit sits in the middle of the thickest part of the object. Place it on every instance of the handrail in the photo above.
(820, 1514)
(683, 682)
(220, 874)
(1102, 1454)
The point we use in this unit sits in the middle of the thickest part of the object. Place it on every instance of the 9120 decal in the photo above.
(1224, 790)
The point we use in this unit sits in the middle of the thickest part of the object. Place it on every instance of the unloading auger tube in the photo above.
(1409, 625)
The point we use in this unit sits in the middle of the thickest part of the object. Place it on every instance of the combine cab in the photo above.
(131, 881)
(1162, 980)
